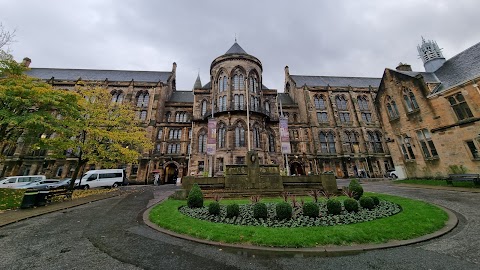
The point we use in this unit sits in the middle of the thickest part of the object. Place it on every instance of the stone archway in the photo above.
(170, 172)
(296, 168)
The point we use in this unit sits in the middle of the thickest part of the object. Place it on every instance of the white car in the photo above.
(393, 174)
(44, 184)
(102, 178)
(14, 181)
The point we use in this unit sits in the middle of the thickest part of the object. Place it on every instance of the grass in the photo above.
(431, 182)
(10, 198)
(417, 219)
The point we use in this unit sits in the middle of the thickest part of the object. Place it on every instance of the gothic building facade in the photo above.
(351, 126)
(432, 117)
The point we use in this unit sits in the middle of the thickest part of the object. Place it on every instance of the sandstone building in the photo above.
(431, 118)
(348, 125)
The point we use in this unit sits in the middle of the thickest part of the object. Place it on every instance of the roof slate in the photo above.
(236, 49)
(312, 81)
(429, 77)
(181, 96)
(285, 99)
(460, 68)
(98, 75)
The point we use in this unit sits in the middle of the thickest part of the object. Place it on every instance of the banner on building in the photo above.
(284, 136)
(212, 137)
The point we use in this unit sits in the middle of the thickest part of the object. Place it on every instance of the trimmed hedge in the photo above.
(233, 210)
(283, 210)
(260, 210)
(311, 209)
(376, 200)
(355, 187)
(367, 202)
(214, 208)
(195, 197)
(334, 206)
(351, 205)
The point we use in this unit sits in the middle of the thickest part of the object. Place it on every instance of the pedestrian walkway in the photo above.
(12, 216)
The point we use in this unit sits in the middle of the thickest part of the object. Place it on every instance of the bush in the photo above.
(311, 209)
(260, 210)
(351, 205)
(214, 208)
(233, 210)
(195, 197)
(376, 200)
(284, 210)
(356, 188)
(367, 202)
(334, 206)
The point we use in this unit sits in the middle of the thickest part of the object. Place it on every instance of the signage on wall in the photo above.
(212, 137)
(284, 135)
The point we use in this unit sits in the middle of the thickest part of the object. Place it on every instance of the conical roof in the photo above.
(236, 49)
(198, 83)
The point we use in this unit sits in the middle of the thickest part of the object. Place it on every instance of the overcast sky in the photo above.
(339, 38)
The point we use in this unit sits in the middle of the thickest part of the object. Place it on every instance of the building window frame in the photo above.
(460, 106)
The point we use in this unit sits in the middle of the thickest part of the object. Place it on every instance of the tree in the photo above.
(110, 133)
(6, 38)
(31, 111)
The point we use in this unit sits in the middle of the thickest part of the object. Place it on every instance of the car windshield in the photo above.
(65, 181)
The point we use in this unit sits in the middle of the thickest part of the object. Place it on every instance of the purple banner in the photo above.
(284, 136)
(212, 137)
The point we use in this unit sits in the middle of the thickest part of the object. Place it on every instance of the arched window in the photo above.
(267, 107)
(363, 103)
(460, 106)
(222, 103)
(204, 107)
(252, 85)
(202, 142)
(142, 99)
(410, 100)
(142, 115)
(222, 83)
(351, 144)
(327, 142)
(375, 142)
(319, 102)
(239, 136)
(271, 142)
(341, 103)
(238, 82)
(392, 109)
(256, 137)
(117, 96)
(221, 136)
(160, 134)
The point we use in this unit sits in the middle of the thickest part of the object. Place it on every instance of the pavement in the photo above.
(111, 234)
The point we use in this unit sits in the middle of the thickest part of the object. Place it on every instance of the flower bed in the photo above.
(384, 209)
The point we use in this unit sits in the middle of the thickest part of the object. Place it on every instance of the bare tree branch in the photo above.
(6, 37)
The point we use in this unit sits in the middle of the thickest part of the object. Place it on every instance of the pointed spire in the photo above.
(198, 82)
(236, 49)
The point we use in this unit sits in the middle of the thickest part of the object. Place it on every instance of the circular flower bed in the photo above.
(245, 217)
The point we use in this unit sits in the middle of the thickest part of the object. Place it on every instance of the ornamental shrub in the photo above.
(214, 208)
(233, 210)
(376, 200)
(195, 197)
(260, 210)
(367, 202)
(311, 209)
(284, 210)
(334, 206)
(351, 205)
(356, 188)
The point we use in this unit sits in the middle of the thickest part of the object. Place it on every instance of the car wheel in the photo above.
(115, 185)
(86, 187)
(394, 176)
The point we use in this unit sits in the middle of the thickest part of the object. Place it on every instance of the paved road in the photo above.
(109, 234)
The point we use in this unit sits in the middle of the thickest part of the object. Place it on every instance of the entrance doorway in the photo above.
(171, 173)
(296, 168)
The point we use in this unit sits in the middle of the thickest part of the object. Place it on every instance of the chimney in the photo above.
(26, 62)
(404, 67)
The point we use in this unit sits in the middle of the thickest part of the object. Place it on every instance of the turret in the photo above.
(431, 55)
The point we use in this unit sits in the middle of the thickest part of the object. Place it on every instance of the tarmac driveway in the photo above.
(110, 234)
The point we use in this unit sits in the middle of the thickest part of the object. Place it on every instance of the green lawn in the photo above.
(431, 182)
(416, 219)
(10, 198)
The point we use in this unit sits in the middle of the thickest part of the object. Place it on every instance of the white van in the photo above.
(102, 178)
(14, 181)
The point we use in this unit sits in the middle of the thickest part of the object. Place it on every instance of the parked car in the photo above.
(65, 183)
(392, 173)
(14, 181)
(43, 184)
(103, 178)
